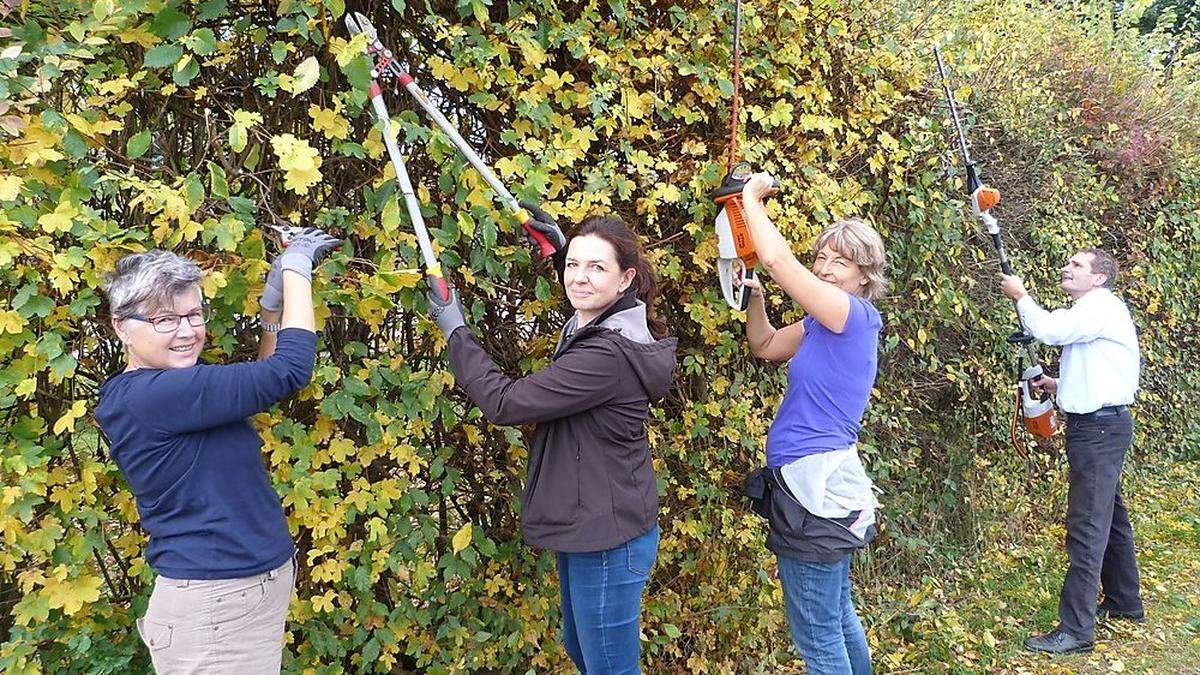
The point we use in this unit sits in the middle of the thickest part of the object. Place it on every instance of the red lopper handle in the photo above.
(441, 286)
(540, 237)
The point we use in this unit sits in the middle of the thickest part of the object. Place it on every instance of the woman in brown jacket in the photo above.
(590, 494)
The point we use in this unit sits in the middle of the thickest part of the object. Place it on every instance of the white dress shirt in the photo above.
(1100, 358)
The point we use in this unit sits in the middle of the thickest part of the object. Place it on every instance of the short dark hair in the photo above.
(1103, 263)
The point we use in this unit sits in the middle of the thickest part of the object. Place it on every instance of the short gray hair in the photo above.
(1103, 263)
(855, 239)
(145, 282)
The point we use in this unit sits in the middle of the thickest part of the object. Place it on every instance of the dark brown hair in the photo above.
(630, 255)
(1103, 263)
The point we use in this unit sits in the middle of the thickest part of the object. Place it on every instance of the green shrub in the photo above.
(193, 126)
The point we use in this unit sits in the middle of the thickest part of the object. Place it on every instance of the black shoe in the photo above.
(1105, 611)
(1058, 641)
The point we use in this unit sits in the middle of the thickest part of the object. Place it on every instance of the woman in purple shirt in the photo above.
(814, 492)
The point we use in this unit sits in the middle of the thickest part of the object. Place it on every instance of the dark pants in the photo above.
(1099, 537)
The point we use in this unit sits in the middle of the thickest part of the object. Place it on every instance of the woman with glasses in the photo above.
(178, 430)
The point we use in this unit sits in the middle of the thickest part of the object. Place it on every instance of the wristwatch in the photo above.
(270, 327)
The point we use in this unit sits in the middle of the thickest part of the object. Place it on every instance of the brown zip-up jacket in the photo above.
(591, 485)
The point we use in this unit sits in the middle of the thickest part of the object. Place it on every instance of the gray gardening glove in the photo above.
(446, 312)
(305, 250)
(272, 295)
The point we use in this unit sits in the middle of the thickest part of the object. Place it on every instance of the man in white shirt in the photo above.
(1098, 378)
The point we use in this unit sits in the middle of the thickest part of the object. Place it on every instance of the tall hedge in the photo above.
(194, 126)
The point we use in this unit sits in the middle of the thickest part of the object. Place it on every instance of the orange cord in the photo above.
(1017, 447)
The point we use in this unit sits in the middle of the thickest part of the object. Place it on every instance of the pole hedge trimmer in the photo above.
(385, 65)
(1039, 415)
(736, 256)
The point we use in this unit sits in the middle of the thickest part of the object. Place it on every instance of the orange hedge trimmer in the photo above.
(1040, 418)
(736, 257)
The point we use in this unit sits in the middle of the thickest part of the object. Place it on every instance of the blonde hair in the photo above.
(858, 241)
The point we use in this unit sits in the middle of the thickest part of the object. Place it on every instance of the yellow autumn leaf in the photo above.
(60, 219)
(11, 322)
(10, 187)
(324, 602)
(70, 595)
(374, 143)
(67, 421)
(27, 387)
(35, 147)
(305, 76)
(117, 86)
(344, 52)
(462, 538)
(246, 119)
(329, 122)
(300, 162)
(138, 36)
(213, 282)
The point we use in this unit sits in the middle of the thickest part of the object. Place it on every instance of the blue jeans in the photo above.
(601, 593)
(824, 624)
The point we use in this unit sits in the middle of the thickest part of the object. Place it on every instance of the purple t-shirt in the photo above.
(829, 383)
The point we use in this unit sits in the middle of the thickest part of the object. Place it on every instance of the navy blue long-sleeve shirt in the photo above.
(182, 438)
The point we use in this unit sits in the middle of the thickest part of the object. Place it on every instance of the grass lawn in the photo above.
(974, 619)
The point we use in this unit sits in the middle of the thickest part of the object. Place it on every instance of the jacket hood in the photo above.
(652, 361)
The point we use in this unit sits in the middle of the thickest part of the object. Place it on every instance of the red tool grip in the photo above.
(540, 237)
(441, 286)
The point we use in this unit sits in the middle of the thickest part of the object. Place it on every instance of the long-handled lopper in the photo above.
(385, 64)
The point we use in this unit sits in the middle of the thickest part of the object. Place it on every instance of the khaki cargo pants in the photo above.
(220, 625)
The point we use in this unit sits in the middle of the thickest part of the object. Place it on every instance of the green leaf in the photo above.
(216, 181)
(74, 145)
(170, 24)
(202, 41)
(138, 144)
(211, 9)
(161, 56)
(193, 191)
(183, 76)
(237, 138)
(279, 51)
(358, 73)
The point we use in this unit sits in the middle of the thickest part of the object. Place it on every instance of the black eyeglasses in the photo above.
(169, 323)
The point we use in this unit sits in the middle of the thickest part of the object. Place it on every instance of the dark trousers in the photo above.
(1099, 537)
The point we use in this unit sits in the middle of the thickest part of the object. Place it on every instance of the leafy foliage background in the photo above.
(193, 126)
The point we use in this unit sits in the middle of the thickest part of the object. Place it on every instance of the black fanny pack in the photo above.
(794, 531)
